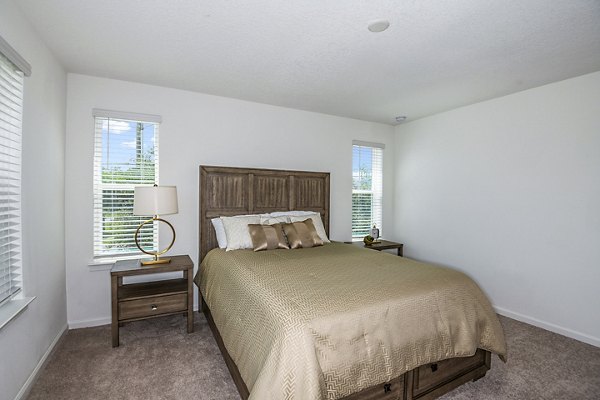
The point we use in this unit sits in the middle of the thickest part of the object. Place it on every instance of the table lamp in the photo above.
(155, 200)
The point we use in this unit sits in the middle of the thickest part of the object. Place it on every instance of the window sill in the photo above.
(12, 308)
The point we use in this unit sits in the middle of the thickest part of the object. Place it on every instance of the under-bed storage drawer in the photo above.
(428, 377)
(393, 390)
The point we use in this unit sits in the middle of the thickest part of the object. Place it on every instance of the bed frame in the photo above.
(227, 191)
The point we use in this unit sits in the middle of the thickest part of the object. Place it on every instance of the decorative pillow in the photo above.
(302, 234)
(236, 231)
(267, 237)
(220, 232)
(268, 219)
(317, 221)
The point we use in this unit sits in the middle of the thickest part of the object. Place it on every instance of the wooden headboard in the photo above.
(227, 191)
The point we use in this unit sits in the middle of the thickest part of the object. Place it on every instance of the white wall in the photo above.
(25, 340)
(199, 129)
(508, 190)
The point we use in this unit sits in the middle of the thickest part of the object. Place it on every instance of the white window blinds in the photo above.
(367, 187)
(125, 156)
(11, 109)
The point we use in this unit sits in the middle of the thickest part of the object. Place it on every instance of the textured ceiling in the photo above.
(318, 55)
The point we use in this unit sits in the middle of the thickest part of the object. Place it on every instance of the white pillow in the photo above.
(236, 231)
(290, 213)
(317, 222)
(268, 219)
(220, 232)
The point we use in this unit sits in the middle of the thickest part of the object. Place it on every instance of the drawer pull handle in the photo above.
(434, 367)
(387, 387)
(154, 307)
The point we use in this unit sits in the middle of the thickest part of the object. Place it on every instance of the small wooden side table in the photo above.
(138, 301)
(383, 245)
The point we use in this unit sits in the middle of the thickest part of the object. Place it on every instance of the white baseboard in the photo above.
(582, 337)
(24, 392)
(88, 323)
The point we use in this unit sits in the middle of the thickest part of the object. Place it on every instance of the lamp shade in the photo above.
(155, 200)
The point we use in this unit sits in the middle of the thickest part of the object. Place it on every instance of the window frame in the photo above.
(376, 190)
(12, 88)
(11, 147)
(99, 254)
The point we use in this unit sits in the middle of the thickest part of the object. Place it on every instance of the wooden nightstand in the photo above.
(137, 301)
(384, 245)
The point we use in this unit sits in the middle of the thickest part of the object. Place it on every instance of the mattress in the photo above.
(325, 322)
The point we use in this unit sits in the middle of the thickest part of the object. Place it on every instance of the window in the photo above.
(367, 187)
(125, 156)
(13, 69)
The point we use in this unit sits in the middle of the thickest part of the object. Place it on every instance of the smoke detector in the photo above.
(379, 26)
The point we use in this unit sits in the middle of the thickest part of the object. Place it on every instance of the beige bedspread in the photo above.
(325, 322)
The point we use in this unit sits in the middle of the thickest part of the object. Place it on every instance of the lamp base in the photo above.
(156, 261)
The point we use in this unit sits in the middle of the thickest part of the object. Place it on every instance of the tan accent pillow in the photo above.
(317, 221)
(267, 237)
(302, 234)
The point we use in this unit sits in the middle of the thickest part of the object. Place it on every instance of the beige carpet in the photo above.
(157, 360)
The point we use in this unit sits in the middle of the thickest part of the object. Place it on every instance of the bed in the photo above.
(336, 321)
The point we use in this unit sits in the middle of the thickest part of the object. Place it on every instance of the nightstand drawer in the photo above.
(152, 306)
